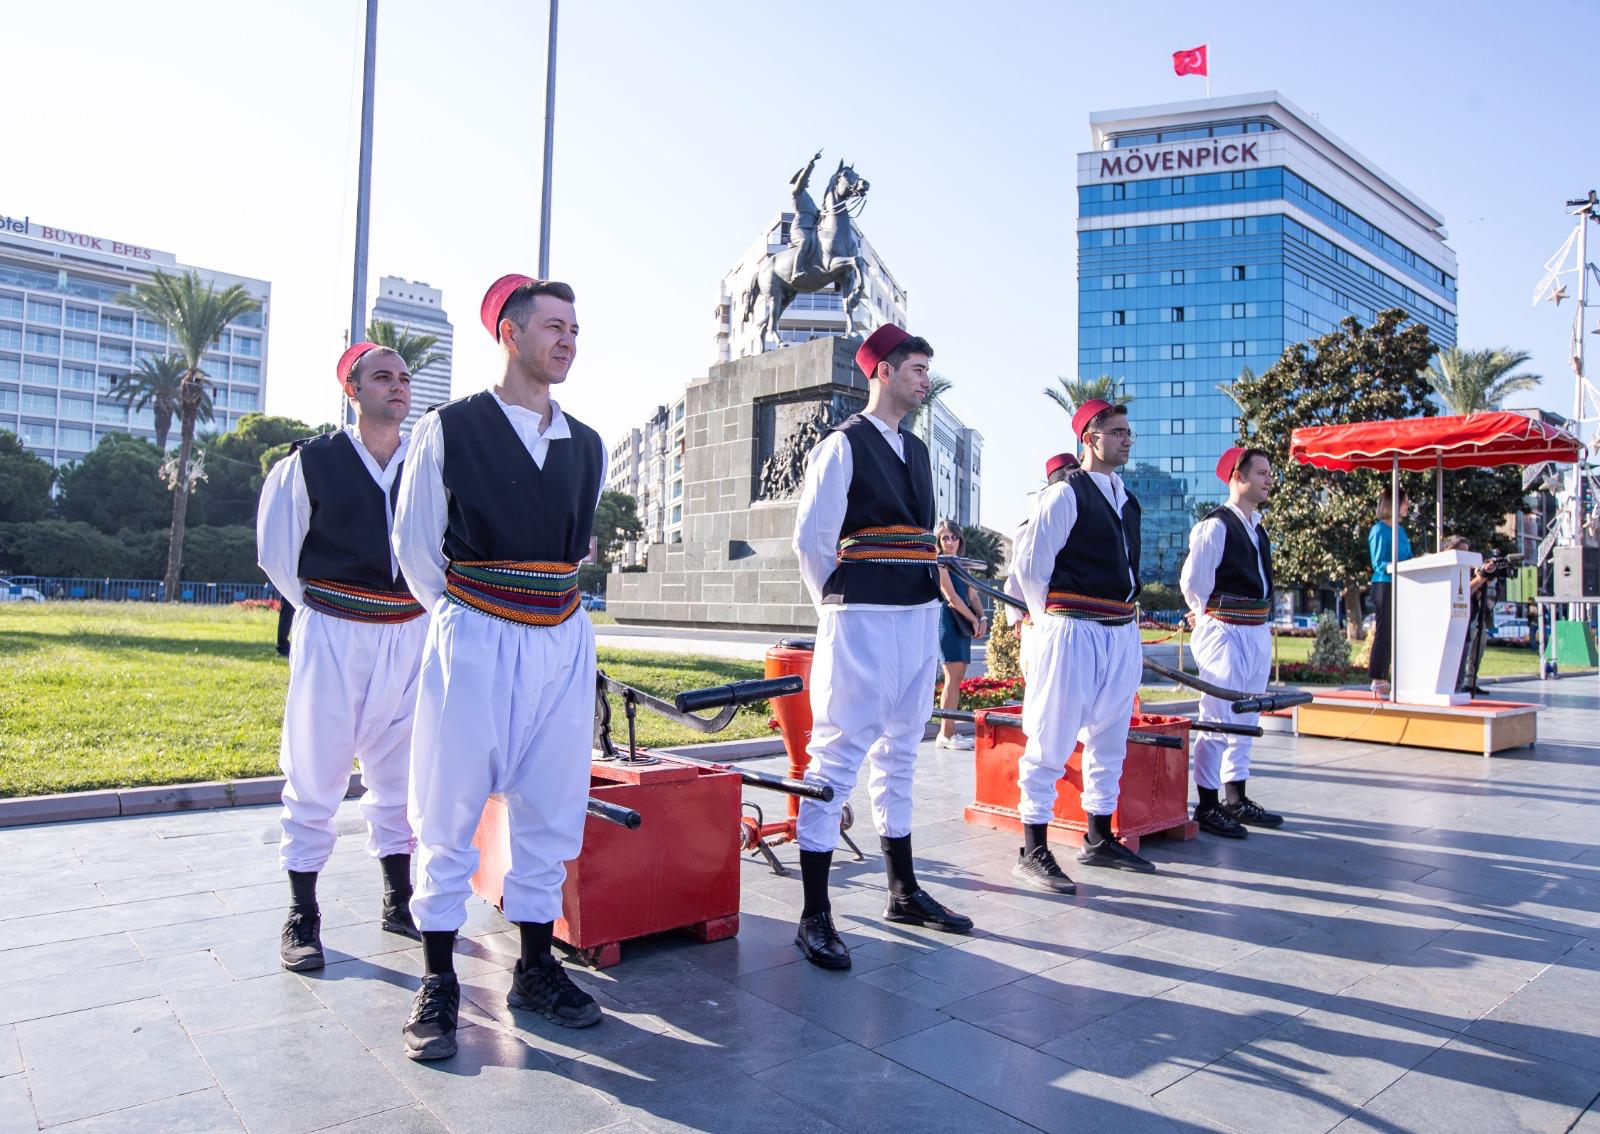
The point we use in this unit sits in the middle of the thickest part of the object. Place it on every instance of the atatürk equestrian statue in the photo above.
(824, 248)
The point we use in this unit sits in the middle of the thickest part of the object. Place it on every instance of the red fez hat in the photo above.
(348, 360)
(1058, 462)
(1087, 413)
(494, 300)
(1228, 462)
(879, 345)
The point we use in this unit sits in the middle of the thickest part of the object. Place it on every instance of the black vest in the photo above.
(884, 490)
(348, 540)
(502, 505)
(1237, 574)
(1101, 548)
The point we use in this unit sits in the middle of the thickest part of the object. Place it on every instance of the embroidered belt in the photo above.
(360, 604)
(1107, 612)
(527, 593)
(897, 543)
(1239, 611)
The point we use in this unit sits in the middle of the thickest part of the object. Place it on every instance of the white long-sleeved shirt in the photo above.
(1050, 522)
(1013, 584)
(283, 515)
(1206, 539)
(824, 498)
(424, 510)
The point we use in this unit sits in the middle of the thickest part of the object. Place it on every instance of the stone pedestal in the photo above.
(735, 567)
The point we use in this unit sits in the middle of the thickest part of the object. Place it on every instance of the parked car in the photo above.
(1512, 630)
(16, 592)
(592, 601)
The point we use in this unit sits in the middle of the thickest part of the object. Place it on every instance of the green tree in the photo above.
(157, 383)
(25, 481)
(197, 314)
(416, 350)
(983, 545)
(922, 417)
(1319, 520)
(116, 487)
(60, 547)
(1472, 381)
(1002, 655)
(1073, 392)
(616, 520)
(233, 466)
(221, 555)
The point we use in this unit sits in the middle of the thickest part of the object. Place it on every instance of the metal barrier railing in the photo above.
(50, 588)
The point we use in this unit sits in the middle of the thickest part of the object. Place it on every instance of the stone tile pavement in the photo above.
(1418, 950)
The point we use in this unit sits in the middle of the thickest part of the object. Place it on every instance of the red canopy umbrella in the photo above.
(1416, 444)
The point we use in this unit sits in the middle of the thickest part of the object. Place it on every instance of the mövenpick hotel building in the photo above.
(65, 334)
(1212, 235)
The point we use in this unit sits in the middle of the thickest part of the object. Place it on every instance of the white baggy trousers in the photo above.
(1239, 658)
(501, 708)
(872, 682)
(1081, 685)
(352, 689)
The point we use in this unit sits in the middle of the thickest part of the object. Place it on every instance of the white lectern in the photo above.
(1432, 599)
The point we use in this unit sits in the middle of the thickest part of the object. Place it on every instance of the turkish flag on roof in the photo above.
(1190, 62)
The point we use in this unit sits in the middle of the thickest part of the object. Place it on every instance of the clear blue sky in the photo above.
(226, 133)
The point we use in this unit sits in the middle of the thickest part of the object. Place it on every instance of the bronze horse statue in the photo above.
(824, 248)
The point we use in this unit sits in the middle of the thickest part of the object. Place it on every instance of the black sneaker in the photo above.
(431, 1031)
(820, 943)
(1112, 854)
(548, 990)
(1040, 871)
(1214, 820)
(919, 908)
(1250, 813)
(301, 950)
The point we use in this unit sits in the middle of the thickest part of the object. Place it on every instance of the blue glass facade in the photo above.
(1176, 310)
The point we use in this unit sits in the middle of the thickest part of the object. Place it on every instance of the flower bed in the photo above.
(257, 604)
(985, 692)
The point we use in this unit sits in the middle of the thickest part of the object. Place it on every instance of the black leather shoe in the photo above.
(397, 917)
(1249, 812)
(431, 1031)
(548, 990)
(1215, 821)
(301, 949)
(1041, 871)
(919, 908)
(1112, 854)
(819, 942)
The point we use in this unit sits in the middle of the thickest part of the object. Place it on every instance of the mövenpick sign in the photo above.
(1210, 155)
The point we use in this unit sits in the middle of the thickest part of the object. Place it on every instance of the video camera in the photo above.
(1500, 567)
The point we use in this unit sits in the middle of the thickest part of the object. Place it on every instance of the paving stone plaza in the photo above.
(1417, 950)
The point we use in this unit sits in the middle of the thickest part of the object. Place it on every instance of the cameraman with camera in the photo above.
(1498, 567)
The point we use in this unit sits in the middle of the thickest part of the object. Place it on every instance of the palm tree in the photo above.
(983, 545)
(1075, 391)
(157, 384)
(197, 313)
(1472, 381)
(922, 417)
(415, 350)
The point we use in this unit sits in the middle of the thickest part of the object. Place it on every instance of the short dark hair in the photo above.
(1248, 456)
(520, 306)
(916, 344)
(356, 371)
(1105, 415)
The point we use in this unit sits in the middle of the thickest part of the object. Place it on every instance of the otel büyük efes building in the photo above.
(1212, 235)
(64, 336)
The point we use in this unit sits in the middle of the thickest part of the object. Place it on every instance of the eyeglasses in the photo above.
(1119, 434)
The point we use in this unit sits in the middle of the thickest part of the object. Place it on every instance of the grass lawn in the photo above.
(1498, 660)
(98, 695)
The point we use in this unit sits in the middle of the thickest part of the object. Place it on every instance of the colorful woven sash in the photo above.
(1239, 611)
(527, 593)
(360, 604)
(1107, 612)
(898, 543)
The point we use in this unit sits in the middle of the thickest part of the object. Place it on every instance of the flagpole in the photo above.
(1208, 71)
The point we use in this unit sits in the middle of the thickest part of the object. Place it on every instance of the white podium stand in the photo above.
(1433, 598)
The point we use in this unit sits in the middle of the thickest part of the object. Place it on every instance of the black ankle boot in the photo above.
(397, 896)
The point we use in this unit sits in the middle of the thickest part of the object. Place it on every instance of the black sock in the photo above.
(1208, 795)
(536, 938)
(396, 877)
(897, 862)
(1035, 836)
(303, 885)
(1099, 830)
(1235, 791)
(814, 866)
(438, 951)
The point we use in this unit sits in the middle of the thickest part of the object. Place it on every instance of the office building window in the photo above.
(1177, 314)
(112, 413)
(1177, 350)
(10, 370)
(1238, 311)
(1238, 348)
(1177, 464)
(116, 353)
(1177, 425)
(247, 372)
(1238, 226)
(40, 373)
(77, 378)
(248, 345)
(78, 440)
(1238, 271)
(1176, 276)
(11, 306)
(1177, 232)
(42, 404)
(35, 434)
(1119, 354)
(82, 318)
(1119, 236)
(153, 332)
(1118, 318)
(10, 338)
(80, 348)
(8, 400)
(1177, 185)
(116, 323)
(1119, 281)
(44, 342)
(216, 369)
(1119, 191)
(41, 311)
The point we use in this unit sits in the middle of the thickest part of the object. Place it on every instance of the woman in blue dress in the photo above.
(1381, 540)
(960, 620)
